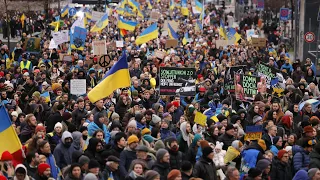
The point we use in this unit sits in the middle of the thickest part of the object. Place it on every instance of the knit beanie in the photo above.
(118, 136)
(206, 151)
(36, 94)
(159, 145)
(204, 143)
(191, 109)
(286, 120)
(263, 164)
(132, 139)
(288, 148)
(262, 144)
(160, 153)
(115, 116)
(301, 175)
(90, 176)
(42, 168)
(155, 119)
(3, 177)
(281, 153)
(145, 131)
(93, 164)
(254, 172)
(237, 144)
(176, 104)
(169, 105)
(256, 119)
(276, 139)
(83, 160)
(229, 127)
(66, 116)
(40, 128)
(148, 138)
(132, 123)
(221, 117)
(173, 174)
(307, 129)
(151, 175)
(58, 124)
(312, 172)
(6, 156)
(186, 166)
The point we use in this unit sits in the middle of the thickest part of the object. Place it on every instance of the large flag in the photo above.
(101, 23)
(127, 25)
(199, 6)
(171, 6)
(185, 38)
(8, 135)
(222, 30)
(123, 32)
(199, 26)
(22, 18)
(117, 77)
(184, 8)
(46, 95)
(78, 38)
(172, 33)
(232, 34)
(148, 34)
(65, 11)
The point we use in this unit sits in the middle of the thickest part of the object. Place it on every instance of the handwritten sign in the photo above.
(159, 54)
(253, 132)
(78, 86)
(53, 45)
(119, 43)
(171, 43)
(258, 42)
(99, 47)
(96, 16)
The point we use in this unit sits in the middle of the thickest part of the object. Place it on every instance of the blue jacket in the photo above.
(287, 67)
(274, 150)
(214, 106)
(53, 167)
(92, 127)
(301, 159)
(249, 159)
(165, 133)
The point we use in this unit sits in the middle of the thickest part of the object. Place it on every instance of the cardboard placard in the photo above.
(99, 47)
(159, 54)
(96, 16)
(53, 45)
(67, 58)
(61, 56)
(32, 44)
(154, 16)
(223, 43)
(173, 24)
(171, 43)
(111, 46)
(258, 42)
(78, 86)
(119, 43)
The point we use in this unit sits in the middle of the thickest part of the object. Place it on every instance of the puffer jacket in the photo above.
(280, 170)
(162, 168)
(205, 169)
(301, 158)
(227, 140)
(314, 159)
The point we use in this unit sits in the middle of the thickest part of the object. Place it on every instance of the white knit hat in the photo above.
(58, 124)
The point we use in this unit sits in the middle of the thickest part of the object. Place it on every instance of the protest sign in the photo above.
(78, 86)
(99, 47)
(253, 133)
(78, 38)
(250, 33)
(229, 77)
(246, 87)
(223, 43)
(154, 16)
(200, 119)
(67, 58)
(173, 24)
(119, 43)
(32, 44)
(60, 37)
(258, 42)
(96, 16)
(159, 54)
(177, 81)
(171, 43)
(53, 45)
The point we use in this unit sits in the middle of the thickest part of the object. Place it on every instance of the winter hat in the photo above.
(286, 121)
(160, 153)
(218, 145)
(156, 106)
(132, 123)
(138, 117)
(151, 175)
(58, 124)
(186, 166)
(66, 116)
(145, 131)
(263, 164)
(173, 174)
(159, 145)
(301, 175)
(312, 172)
(256, 119)
(83, 160)
(133, 139)
(308, 142)
(60, 107)
(118, 136)
(40, 128)
(288, 148)
(155, 119)
(42, 168)
(148, 138)
(305, 123)
(276, 139)
(14, 113)
(36, 94)
(90, 176)
(191, 109)
(281, 153)
(262, 144)
(307, 129)
(176, 104)
(314, 120)
(288, 113)
(165, 115)
(6, 156)
(254, 172)
(115, 116)
(170, 140)
(93, 164)
(135, 93)
(3, 177)
(221, 118)
(169, 105)
(206, 151)
(204, 143)
(229, 127)
(237, 144)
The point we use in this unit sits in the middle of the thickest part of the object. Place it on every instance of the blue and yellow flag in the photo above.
(127, 25)
(171, 6)
(185, 38)
(65, 11)
(222, 30)
(117, 77)
(184, 8)
(46, 95)
(148, 34)
(172, 33)
(232, 34)
(149, 4)
(134, 4)
(8, 135)
(199, 26)
(199, 6)
(78, 38)
(100, 24)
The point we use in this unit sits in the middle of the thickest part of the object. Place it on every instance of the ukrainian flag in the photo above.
(171, 7)
(88, 15)
(172, 33)
(65, 11)
(184, 40)
(149, 4)
(8, 136)
(232, 34)
(199, 6)
(46, 95)
(148, 34)
(184, 8)
(134, 4)
(199, 26)
(100, 24)
(127, 25)
(117, 77)
(222, 30)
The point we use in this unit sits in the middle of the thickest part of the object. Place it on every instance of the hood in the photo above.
(301, 175)
(93, 144)
(65, 135)
(21, 166)
(77, 139)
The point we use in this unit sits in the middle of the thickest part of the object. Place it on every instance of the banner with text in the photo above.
(253, 132)
(246, 87)
(229, 77)
(177, 81)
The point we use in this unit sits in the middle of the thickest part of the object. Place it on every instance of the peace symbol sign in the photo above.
(104, 61)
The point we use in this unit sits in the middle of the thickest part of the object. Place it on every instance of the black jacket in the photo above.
(175, 159)
(280, 170)
(267, 140)
(52, 120)
(185, 176)
(227, 140)
(78, 115)
(107, 171)
(314, 160)
(162, 168)
(126, 158)
(205, 169)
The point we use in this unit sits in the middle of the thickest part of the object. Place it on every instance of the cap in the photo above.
(142, 148)
(113, 158)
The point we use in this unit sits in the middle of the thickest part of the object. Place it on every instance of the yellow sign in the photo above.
(253, 136)
(200, 119)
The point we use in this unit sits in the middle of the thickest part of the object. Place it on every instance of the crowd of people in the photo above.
(136, 133)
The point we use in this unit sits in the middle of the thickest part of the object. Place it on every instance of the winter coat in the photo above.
(52, 120)
(175, 159)
(301, 159)
(314, 160)
(250, 157)
(267, 140)
(26, 133)
(78, 115)
(53, 166)
(126, 157)
(92, 127)
(227, 140)
(107, 174)
(91, 152)
(63, 154)
(115, 151)
(162, 168)
(280, 170)
(165, 133)
(205, 169)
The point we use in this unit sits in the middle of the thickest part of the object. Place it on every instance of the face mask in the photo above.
(67, 144)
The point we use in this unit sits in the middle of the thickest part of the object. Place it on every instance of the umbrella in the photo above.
(313, 102)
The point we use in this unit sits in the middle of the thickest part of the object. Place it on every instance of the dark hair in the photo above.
(30, 155)
(41, 145)
(96, 132)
